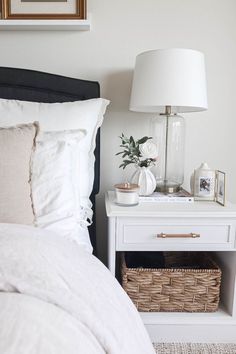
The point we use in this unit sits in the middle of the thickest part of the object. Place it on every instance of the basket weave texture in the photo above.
(190, 282)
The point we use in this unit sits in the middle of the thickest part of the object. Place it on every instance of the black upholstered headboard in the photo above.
(36, 86)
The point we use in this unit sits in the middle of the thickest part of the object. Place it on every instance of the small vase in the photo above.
(145, 179)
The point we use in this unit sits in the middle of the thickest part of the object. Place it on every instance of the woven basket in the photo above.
(190, 282)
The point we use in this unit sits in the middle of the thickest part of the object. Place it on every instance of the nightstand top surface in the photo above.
(178, 209)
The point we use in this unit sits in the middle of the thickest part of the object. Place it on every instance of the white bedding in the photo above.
(56, 298)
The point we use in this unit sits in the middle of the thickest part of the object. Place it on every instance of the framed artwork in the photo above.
(44, 9)
(220, 187)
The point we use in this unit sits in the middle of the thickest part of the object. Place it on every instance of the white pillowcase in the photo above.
(86, 115)
(54, 173)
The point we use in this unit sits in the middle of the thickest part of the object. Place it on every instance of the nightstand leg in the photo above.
(111, 246)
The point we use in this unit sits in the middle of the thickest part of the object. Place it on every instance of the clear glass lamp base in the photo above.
(167, 187)
(168, 131)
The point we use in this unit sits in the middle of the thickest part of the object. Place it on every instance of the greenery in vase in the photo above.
(141, 152)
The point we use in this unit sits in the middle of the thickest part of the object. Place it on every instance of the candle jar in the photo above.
(127, 194)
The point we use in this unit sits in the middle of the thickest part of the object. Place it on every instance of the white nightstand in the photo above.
(140, 228)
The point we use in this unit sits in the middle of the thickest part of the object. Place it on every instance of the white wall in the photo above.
(120, 30)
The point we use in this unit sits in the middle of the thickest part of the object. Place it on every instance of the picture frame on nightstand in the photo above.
(220, 188)
(204, 183)
(209, 185)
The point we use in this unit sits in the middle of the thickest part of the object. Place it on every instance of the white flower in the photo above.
(148, 150)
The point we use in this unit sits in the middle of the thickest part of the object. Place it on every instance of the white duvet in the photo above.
(56, 298)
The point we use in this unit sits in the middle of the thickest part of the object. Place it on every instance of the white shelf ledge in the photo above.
(188, 318)
(45, 25)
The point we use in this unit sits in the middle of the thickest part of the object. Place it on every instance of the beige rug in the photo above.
(192, 348)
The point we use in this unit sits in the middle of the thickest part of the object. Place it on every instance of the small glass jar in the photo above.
(127, 194)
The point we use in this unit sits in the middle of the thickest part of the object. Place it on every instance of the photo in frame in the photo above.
(43, 9)
(220, 187)
(204, 183)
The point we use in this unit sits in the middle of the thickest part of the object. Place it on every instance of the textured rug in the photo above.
(192, 348)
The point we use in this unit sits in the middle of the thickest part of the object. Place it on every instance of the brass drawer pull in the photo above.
(191, 235)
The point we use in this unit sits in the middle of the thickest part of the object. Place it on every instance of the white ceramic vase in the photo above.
(145, 179)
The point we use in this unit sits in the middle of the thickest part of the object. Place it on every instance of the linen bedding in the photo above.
(56, 298)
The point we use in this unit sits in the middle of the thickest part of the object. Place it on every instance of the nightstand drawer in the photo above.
(147, 234)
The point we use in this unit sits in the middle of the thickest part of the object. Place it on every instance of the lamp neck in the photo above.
(168, 112)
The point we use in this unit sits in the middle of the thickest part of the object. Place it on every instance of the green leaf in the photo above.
(132, 142)
(126, 153)
(124, 139)
(143, 140)
(127, 161)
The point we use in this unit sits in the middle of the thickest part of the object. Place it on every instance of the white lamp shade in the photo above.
(169, 77)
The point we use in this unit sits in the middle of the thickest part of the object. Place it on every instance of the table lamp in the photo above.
(168, 82)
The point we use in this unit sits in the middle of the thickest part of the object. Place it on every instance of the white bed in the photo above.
(55, 296)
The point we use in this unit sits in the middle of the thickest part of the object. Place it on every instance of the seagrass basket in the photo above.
(189, 282)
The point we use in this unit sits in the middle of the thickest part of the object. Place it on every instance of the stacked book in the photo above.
(181, 196)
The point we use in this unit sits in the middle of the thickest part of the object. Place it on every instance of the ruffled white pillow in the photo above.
(54, 175)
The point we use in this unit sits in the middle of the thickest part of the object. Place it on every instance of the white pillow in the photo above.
(54, 170)
(16, 147)
(86, 115)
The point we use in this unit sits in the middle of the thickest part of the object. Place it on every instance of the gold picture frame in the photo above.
(43, 9)
(220, 187)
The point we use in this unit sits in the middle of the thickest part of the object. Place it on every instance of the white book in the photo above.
(179, 197)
